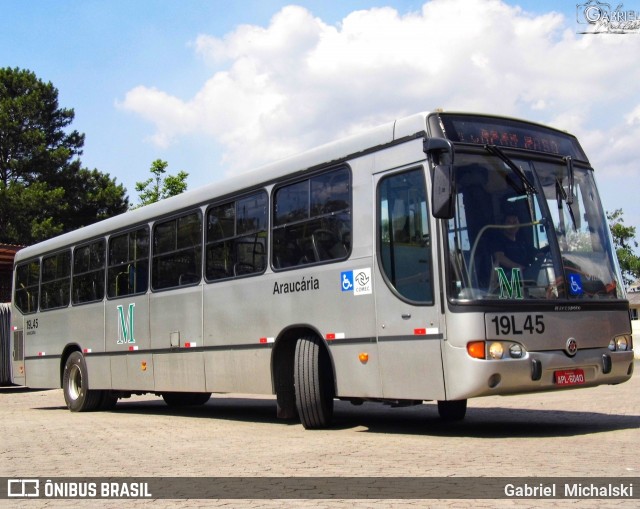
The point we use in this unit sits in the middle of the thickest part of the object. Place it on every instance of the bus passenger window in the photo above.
(312, 220)
(236, 238)
(403, 235)
(56, 278)
(27, 286)
(177, 255)
(88, 273)
(128, 272)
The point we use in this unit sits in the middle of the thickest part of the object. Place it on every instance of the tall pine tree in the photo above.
(44, 191)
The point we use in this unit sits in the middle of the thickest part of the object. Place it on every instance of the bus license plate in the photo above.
(569, 377)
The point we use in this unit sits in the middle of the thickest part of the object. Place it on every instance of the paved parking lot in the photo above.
(590, 432)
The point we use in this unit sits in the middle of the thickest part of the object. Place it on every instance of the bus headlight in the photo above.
(622, 343)
(496, 351)
(515, 351)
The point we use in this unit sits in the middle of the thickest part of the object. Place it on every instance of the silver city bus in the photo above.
(440, 257)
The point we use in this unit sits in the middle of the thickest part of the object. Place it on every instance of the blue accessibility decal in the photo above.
(346, 279)
(575, 284)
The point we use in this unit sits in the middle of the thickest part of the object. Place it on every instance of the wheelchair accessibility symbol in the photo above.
(347, 281)
(575, 284)
(356, 281)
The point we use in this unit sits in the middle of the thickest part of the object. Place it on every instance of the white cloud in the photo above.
(299, 82)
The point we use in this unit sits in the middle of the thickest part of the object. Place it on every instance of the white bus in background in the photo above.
(369, 269)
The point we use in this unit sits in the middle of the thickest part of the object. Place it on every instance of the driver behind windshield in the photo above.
(512, 252)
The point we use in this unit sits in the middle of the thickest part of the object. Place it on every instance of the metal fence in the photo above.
(5, 353)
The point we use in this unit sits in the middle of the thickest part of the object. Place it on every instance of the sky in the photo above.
(218, 87)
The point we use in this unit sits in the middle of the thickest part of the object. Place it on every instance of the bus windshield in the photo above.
(528, 229)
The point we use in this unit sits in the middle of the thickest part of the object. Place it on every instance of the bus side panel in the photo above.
(412, 369)
(350, 317)
(176, 328)
(99, 369)
(176, 318)
(126, 339)
(132, 371)
(87, 331)
(354, 377)
(86, 326)
(243, 319)
(178, 371)
(239, 334)
(245, 371)
(42, 372)
(46, 336)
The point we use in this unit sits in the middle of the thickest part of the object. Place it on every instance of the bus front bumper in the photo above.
(535, 372)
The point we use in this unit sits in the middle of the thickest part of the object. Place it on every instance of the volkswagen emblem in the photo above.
(572, 347)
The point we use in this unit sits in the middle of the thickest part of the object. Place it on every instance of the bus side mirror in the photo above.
(442, 191)
(443, 185)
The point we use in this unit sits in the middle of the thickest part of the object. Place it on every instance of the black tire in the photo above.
(75, 385)
(107, 401)
(313, 378)
(178, 399)
(452, 410)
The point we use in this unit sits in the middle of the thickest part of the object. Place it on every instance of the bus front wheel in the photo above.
(313, 378)
(75, 378)
(452, 410)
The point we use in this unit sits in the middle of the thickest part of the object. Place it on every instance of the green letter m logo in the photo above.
(510, 289)
(125, 325)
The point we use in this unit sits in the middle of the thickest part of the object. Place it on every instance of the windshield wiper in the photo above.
(569, 161)
(527, 186)
(562, 196)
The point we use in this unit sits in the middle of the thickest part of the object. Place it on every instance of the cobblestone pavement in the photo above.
(581, 433)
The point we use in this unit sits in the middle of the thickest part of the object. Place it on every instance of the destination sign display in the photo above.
(481, 130)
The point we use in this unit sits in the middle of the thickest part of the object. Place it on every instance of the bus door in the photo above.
(409, 324)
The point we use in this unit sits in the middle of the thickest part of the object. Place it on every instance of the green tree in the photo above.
(159, 187)
(44, 191)
(624, 239)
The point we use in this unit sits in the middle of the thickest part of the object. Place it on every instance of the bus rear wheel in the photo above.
(313, 378)
(452, 410)
(75, 385)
